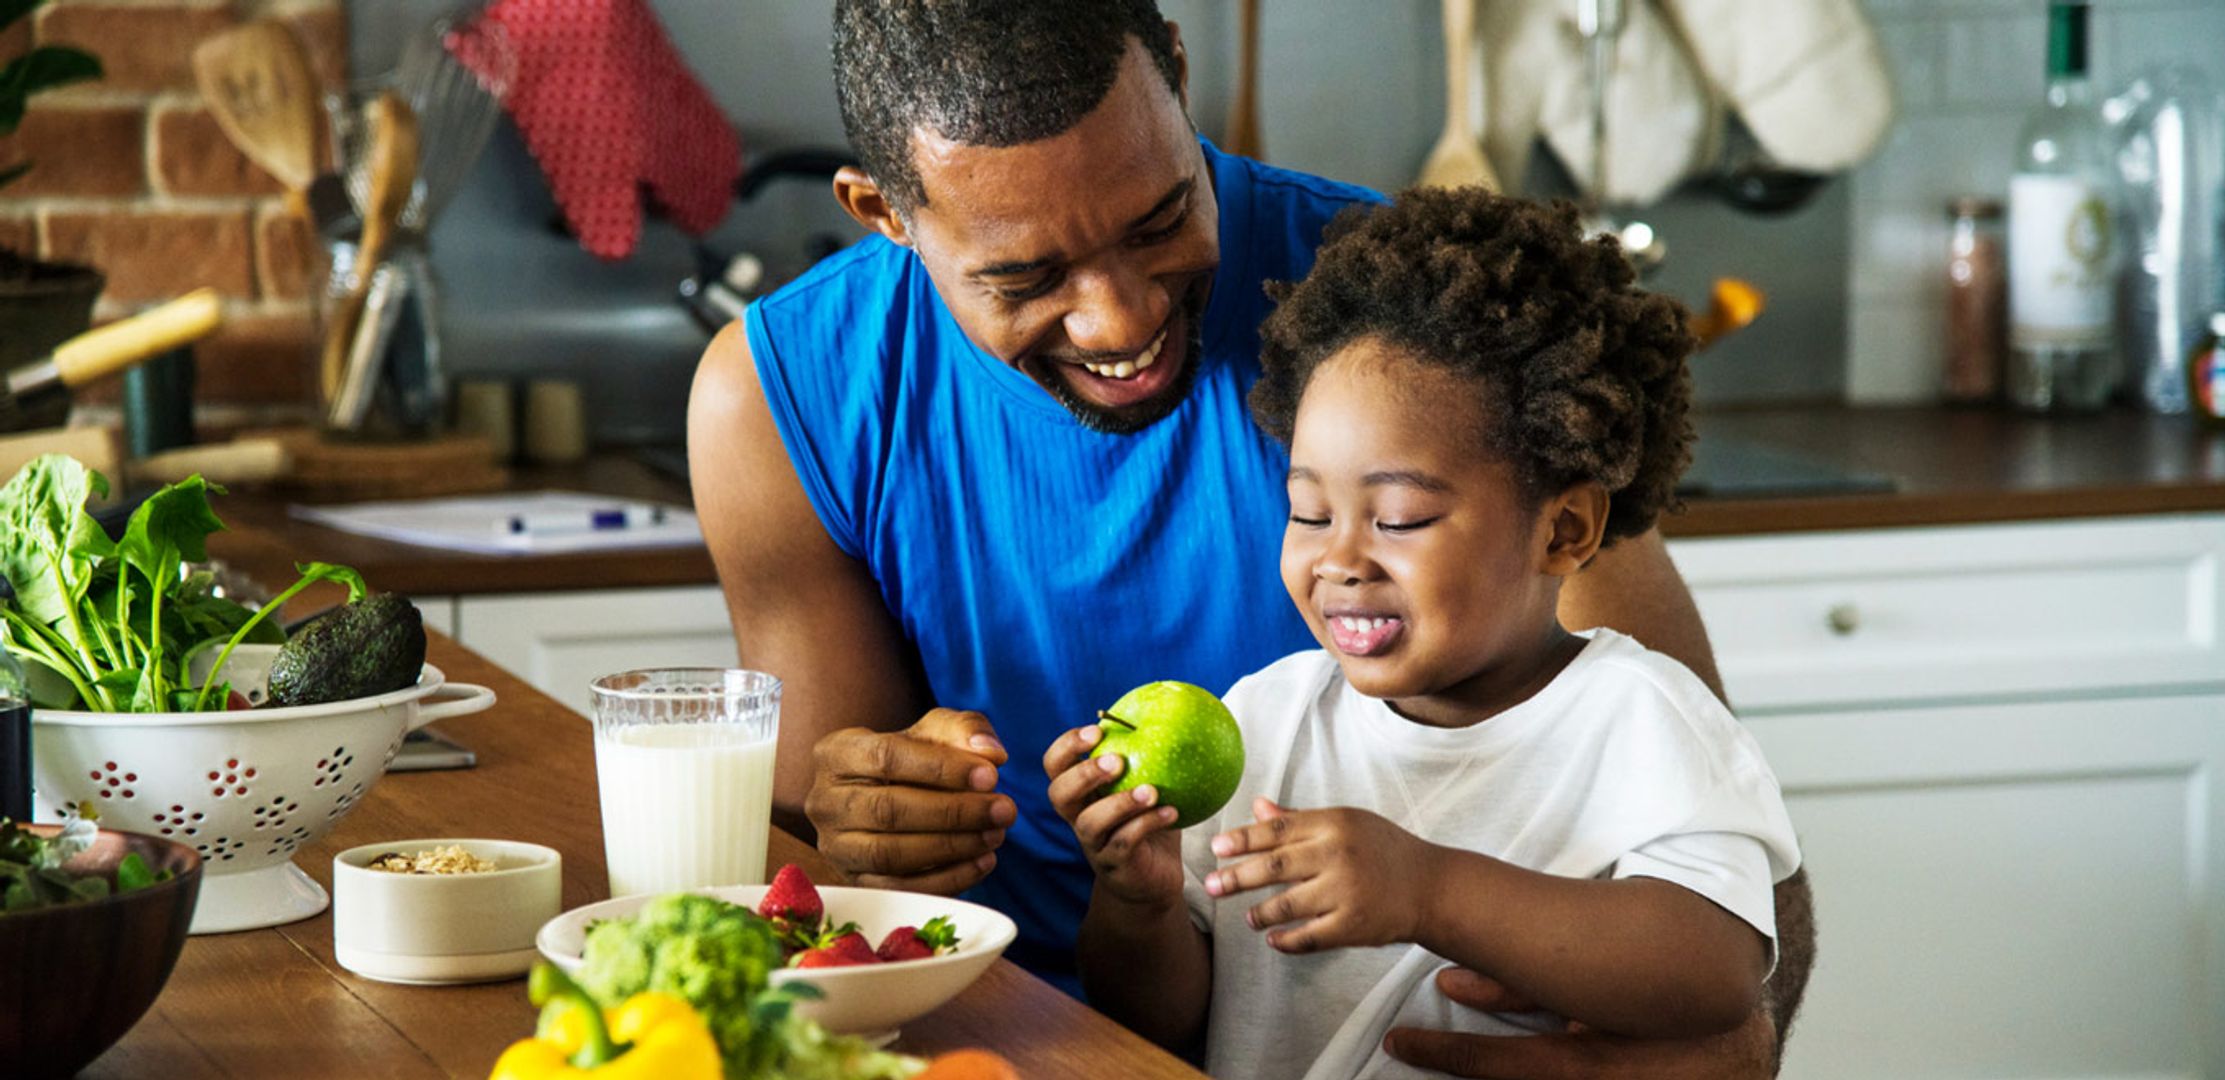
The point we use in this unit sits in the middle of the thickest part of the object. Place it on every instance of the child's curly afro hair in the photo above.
(1580, 375)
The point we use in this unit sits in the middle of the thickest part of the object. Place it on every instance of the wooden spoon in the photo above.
(393, 165)
(1243, 113)
(257, 81)
(1457, 160)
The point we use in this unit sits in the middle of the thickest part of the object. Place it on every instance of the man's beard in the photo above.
(1130, 419)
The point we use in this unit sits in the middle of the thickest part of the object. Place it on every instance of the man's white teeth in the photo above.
(1361, 626)
(1128, 368)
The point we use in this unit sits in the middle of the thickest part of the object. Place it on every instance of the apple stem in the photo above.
(1107, 717)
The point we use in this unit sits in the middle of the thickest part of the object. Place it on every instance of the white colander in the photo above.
(244, 788)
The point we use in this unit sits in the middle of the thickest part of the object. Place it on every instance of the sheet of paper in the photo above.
(520, 523)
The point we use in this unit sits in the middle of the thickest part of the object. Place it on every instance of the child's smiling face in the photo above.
(1412, 552)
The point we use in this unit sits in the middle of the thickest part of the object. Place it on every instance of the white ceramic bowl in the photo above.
(434, 929)
(243, 788)
(866, 999)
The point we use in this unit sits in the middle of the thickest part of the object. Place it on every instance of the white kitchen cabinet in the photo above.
(559, 642)
(2002, 749)
(439, 612)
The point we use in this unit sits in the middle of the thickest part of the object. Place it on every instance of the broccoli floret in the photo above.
(718, 956)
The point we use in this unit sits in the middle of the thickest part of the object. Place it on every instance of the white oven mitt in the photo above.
(1806, 76)
(1662, 123)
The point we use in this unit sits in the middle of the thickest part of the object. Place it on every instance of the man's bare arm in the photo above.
(1796, 954)
(1632, 587)
(810, 614)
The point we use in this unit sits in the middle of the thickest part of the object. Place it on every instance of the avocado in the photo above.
(370, 647)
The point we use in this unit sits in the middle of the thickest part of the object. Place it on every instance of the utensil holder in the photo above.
(399, 383)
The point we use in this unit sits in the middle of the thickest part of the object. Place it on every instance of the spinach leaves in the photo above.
(31, 874)
(113, 622)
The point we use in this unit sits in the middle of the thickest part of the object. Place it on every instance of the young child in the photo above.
(1476, 401)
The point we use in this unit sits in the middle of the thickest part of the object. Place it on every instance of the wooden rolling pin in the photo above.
(96, 354)
(241, 461)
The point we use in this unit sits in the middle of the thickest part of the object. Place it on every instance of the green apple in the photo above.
(1179, 739)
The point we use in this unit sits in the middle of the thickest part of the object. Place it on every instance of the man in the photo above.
(996, 459)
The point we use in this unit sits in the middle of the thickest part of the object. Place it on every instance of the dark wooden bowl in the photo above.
(74, 978)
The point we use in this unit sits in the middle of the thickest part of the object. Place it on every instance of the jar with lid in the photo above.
(1977, 303)
(2205, 374)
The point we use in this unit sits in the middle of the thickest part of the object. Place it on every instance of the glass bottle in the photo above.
(1977, 303)
(2063, 237)
(2170, 131)
(15, 740)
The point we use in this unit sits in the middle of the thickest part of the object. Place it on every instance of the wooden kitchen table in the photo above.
(275, 1003)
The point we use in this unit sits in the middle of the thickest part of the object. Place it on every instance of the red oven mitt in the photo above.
(610, 110)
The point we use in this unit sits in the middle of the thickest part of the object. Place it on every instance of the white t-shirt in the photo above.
(1625, 765)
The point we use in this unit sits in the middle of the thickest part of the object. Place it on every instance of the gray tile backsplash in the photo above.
(1966, 71)
(1352, 91)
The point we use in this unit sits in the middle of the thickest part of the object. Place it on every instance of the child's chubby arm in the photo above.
(1143, 962)
(1633, 956)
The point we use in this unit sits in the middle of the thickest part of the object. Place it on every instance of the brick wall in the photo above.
(131, 175)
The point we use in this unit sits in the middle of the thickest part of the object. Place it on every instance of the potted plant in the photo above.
(41, 304)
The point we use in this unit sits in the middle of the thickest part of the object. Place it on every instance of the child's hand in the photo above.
(1355, 878)
(1126, 837)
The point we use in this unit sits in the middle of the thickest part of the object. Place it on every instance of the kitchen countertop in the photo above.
(265, 541)
(1959, 467)
(276, 1003)
(1948, 467)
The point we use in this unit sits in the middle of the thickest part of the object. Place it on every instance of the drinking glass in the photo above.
(684, 766)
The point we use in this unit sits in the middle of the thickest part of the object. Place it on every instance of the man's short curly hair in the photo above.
(1580, 375)
(982, 72)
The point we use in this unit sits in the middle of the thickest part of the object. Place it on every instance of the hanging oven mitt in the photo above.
(611, 112)
(1662, 124)
(1808, 78)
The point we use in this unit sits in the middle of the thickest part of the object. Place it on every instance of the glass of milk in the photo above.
(684, 764)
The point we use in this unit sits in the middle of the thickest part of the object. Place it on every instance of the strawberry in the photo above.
(919, 942)
(793, 898)
(850, 948)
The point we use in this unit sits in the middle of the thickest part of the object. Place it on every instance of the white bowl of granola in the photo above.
(442, 911)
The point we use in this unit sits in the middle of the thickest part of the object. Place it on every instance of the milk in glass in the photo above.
(684, 805)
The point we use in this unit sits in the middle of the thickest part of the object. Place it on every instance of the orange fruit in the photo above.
(969, 1065)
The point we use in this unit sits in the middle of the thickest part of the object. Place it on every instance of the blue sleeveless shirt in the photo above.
(1042, 569)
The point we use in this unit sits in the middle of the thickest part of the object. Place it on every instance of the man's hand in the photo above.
(915, 809)
(1355, 878)
(1129, 839)
(1742, 1053)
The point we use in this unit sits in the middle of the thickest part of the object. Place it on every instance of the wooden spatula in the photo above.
(393, 164)
(1457, 160)
(257, 80)
(1243, 112)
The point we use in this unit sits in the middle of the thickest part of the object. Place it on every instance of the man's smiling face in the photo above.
(1084, 259)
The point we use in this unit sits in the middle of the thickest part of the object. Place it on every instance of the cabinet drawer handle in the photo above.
(1843, 619)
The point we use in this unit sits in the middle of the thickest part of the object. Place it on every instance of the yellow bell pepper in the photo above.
(651, 1036)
